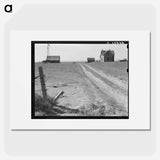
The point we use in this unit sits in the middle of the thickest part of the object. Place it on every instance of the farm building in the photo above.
(107, 56)
(123, 60)
(53, 59)
(90, 59)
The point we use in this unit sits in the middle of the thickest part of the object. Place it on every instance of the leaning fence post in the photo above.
(42, 80)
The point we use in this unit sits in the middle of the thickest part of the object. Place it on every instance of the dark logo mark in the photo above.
(8, 8)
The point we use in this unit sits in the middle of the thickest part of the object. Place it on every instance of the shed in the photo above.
(123, 60)
(90, 59)
(53, 59)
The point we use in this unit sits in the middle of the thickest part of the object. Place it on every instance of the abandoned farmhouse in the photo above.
(107, 56)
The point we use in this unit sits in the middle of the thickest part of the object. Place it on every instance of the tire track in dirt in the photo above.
(113, 95)
(121, 84)
(95, 95)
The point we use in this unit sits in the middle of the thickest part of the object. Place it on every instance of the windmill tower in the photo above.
(48, 53)
(52, 58)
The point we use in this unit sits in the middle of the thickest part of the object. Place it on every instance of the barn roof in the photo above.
(90, 58)
(53, 58)
(103, 52)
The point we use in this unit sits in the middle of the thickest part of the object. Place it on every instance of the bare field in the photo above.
(90, 89)
(67, 77)
(116, 69)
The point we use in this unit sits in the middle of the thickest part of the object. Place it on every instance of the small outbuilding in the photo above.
(53, 59)
(90, 59)
(107, 56)
(123, 60)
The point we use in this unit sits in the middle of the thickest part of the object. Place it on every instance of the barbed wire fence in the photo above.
(43, 89)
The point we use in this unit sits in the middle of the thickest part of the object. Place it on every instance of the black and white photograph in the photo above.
(80, 79)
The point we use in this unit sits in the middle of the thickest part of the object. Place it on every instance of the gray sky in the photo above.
(78, 52)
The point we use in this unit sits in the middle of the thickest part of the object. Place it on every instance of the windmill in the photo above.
(48, 53)
(51, 58)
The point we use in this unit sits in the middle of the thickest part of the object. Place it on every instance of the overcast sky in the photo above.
(78, 52)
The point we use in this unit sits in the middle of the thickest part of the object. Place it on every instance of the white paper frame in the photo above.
(139, 81)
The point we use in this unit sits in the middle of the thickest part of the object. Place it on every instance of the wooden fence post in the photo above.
(42, 80)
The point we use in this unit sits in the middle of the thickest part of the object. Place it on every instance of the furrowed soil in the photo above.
(96, 89)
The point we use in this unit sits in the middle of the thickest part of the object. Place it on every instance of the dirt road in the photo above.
(113, 88)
